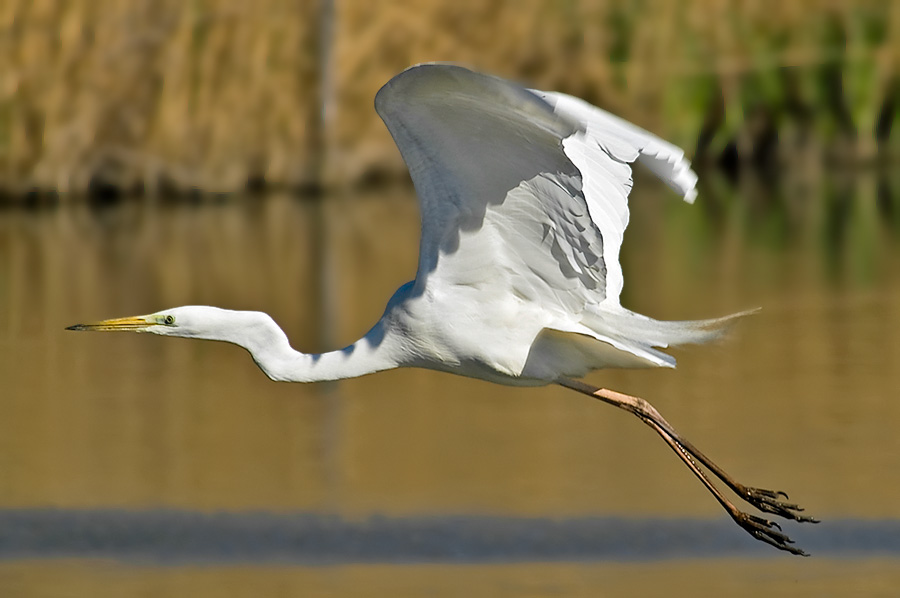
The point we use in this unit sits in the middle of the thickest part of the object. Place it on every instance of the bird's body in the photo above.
(524, 206)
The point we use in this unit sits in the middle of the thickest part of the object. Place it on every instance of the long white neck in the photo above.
(282, 363)
(269, 346)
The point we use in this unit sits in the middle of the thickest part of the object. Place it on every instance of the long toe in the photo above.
(770, 501)
(767, 531)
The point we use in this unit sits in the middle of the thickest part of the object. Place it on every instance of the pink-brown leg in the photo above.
(766, 500)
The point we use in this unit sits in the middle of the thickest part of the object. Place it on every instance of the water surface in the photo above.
(801, 398)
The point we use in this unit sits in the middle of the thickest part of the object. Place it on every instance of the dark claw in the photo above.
(767, 531)
(769, 493)
(768, 501)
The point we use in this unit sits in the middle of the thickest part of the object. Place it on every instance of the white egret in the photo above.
(524, 204)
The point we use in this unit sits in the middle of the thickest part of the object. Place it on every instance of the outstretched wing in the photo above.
(606, 138)
(519, 190)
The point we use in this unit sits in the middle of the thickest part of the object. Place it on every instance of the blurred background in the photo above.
(164, 153)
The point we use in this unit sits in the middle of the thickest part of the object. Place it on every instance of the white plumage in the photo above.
(524, 200)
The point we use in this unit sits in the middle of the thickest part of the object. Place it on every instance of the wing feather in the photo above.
(628, 142)
(524, 195)
(501, 201)
(602, 153)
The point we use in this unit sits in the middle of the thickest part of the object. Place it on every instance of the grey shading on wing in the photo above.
(526, 197)
(500, 200)
(607, 140)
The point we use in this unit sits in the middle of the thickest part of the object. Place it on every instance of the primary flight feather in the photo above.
(523, 199)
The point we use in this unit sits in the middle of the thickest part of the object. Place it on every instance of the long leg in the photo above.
(765, 500)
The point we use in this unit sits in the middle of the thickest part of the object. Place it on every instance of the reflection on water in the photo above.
(167, 537)
(728, 577)
(801, 398)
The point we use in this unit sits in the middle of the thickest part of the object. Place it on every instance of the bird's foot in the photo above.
(766, 531)
(770, 501)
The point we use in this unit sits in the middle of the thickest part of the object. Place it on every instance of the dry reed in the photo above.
(213, 95)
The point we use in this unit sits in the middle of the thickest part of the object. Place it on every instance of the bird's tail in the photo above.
(643, 336)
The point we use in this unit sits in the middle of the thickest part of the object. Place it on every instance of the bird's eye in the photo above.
(169, 320)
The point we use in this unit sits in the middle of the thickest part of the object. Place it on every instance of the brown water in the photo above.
(802, 398)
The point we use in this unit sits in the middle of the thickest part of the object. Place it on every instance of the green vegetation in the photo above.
(168, 96)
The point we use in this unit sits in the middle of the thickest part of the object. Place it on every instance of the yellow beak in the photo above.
(132, 324)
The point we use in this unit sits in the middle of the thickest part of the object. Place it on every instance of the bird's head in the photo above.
(191, 321)
(253, 330)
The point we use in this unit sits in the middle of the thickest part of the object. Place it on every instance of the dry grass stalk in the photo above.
(171, 96)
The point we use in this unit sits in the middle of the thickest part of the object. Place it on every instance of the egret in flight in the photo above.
(523, 198)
